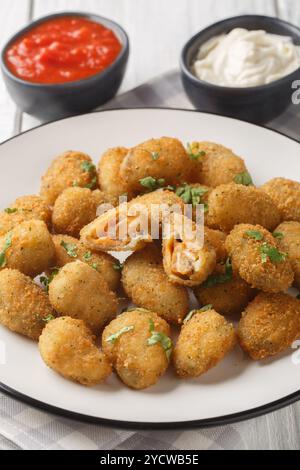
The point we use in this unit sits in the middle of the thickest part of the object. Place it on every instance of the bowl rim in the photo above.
(71, 84)
(185, 68)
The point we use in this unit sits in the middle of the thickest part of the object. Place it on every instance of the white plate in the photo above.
(237, 388)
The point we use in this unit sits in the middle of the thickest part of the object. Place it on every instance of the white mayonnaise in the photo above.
(245, 58)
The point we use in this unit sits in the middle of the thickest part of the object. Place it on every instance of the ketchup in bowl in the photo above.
(63, 49)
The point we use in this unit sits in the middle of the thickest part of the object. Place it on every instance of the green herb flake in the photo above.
(95, 266)
(278, 235)
(194, 155)
(118, 266)
(45, 281)
(7, 245)
(87, 256)
(154, 155)
(48, 318)
(11, 210)
(92, 184)
(113, 338)
(243, 178)
(216, 279)
(192, 312)
(70, 248)
(158, 337)
(254, 234)
(152, 183)
(191, 195)
(88, 166)
(271, 252)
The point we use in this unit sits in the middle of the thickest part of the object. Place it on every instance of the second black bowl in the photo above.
(257, 104)
(48, 102)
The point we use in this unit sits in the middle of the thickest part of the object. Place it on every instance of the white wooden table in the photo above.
(157, 31)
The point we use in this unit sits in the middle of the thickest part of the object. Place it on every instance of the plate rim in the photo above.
(200, 423)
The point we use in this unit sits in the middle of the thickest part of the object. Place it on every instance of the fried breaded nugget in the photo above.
(187, 260)
(127, 220)
(147, 285)
(68, 249)
(216, 239)
(100, 197)
(269, 325)
(69, 169)
(232, 204)
(79, 291)
(255, 254)
(24, 307)
(73, 209)
(217, 164)
(67, 346)
(28, 248)
(229, 294)
(203, 342)
(110, 180)
(24, 208)
(286, 195)
(137, 343)
(163, 158)
(289, 241)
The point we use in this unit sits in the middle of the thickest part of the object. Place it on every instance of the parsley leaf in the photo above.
(7, 244)
(192, 312)
(88, 166)
(48, 318)
(155, 155)
(47, 280)
(70, 248)
(194, 152)
(243, 178)
(158, 337)
(92, 184)
(95, 266)
(87, 255)
(152, 183)
(113, 338)
(271, 252)
(215, 279)
(278, 235)
(254, 234)
(191, 195)
(10, 210)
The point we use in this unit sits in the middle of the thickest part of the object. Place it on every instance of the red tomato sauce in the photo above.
(62, 50)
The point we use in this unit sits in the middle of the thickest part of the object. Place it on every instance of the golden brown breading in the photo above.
(232, 204)
(104, 263)
(228, 297)
(256, 255)
(203, 342)
(286, 195)
(216, 239)
(79, 291)
(110, 180)
(28, 248)
(146, 283)
(218, 164)
(67, 170)
(67, 346)
(100, 197)
(138, 360)
(24, 307)
(269, 325)
(73, 209)
(159, 158)
(24, 208)
(290, 243)
(115, 217)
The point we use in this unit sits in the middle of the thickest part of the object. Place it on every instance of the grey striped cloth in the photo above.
(24, 427)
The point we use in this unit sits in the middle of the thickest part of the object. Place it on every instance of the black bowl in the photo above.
(47, 101)
(257, 104)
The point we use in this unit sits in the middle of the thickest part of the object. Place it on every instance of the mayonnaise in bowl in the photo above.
(244, 58)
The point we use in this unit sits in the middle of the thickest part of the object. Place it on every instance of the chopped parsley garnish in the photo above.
(95, 266)
(155, 155)
(243, 178)
(254, 234)
(48, 318)
(152, 183)
(47, 280)
(192, 312)
(113, 338)
(70, 248)
(191, 195)
(170, 187)
(87, 256)
(158, 337)
(193, 151)
(7, 244)
(118, 266)
(268, 251)
(11, 210)
(215, 279)
(88, 166)
(92, 184)
(278, 235)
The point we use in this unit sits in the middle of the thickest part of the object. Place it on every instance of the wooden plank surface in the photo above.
(157, 31)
